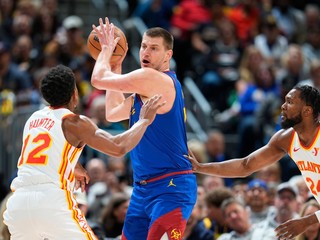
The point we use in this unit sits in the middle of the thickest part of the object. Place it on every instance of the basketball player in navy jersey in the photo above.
(165, 187)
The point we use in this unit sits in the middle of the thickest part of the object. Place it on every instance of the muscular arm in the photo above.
(117, 106)
(80, 130)
(294, 227)
(242, 167)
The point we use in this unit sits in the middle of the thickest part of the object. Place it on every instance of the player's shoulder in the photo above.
(77, 119)
(282, 137)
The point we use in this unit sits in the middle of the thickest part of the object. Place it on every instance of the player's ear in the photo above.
(307, 110)
(169, 54)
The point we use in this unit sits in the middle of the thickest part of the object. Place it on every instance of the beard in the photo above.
(288, 123)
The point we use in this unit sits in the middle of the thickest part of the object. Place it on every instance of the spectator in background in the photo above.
(69, 43)
(311, 47)
(270, 42)
(250, 100)
(245, 16)
(215, 220)
(312, 232)
(187, 16)
(216, 150)
(312, 15)
(15, 85)
(303, 190)
(257, 199)
(239, 188)
(23, 53)
(7, 8)
(270, 174)
(314, 79)
(46, 23)
(21, 25)
(96, 169)
(196, 228)
(155, 13)
(217, 70)
(250, 61)
(98, 116)
(83, 85)
(212, 182)
(294, 67)
(238, 219)
(204, 36)
(113, 215)
(286, 208)
(111, 182)
(291, 21)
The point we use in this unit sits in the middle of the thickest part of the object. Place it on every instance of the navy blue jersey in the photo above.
(164, 143)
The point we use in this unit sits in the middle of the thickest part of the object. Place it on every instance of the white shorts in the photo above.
(45, 212)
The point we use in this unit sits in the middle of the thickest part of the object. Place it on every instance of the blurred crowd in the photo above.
(244, 55)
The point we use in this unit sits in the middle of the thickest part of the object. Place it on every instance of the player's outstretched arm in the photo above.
(80, 130)
(243, 167)
(294, 227)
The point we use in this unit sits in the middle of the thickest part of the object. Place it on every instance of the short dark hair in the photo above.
(57, 87)
(216, 196)
(160, 32)
(311, 96)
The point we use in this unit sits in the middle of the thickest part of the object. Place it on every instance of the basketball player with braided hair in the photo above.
(300, 138)
(42, 205)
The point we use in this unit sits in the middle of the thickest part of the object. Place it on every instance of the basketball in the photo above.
(94, 46)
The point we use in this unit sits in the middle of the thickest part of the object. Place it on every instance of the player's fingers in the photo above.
(83, 185)
(116, 40)
(77, 185)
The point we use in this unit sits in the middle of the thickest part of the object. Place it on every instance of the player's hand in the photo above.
(105, 33)
(150, 108)
(291, 228)
(116, 67)
(81, 177)
(194, 161)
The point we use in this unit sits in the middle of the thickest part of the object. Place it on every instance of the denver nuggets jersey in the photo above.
(46, 156)
(308, 162)
(164, 143)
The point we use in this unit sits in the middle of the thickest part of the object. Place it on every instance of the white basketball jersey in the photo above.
(308, 161)
(46, 156)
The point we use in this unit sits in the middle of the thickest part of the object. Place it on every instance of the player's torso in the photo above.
(308, 162)
(163, 145)
(46, 155)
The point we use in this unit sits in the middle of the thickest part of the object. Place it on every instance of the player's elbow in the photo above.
(121, 150)
(247, 170)
(95, 81)
(109, 117)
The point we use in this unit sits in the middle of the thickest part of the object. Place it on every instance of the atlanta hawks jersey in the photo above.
(46, 156)
(308, 162)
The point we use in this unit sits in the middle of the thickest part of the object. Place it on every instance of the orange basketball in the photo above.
(94, 46)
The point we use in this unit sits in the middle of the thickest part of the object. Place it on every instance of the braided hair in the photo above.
(311, 96)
